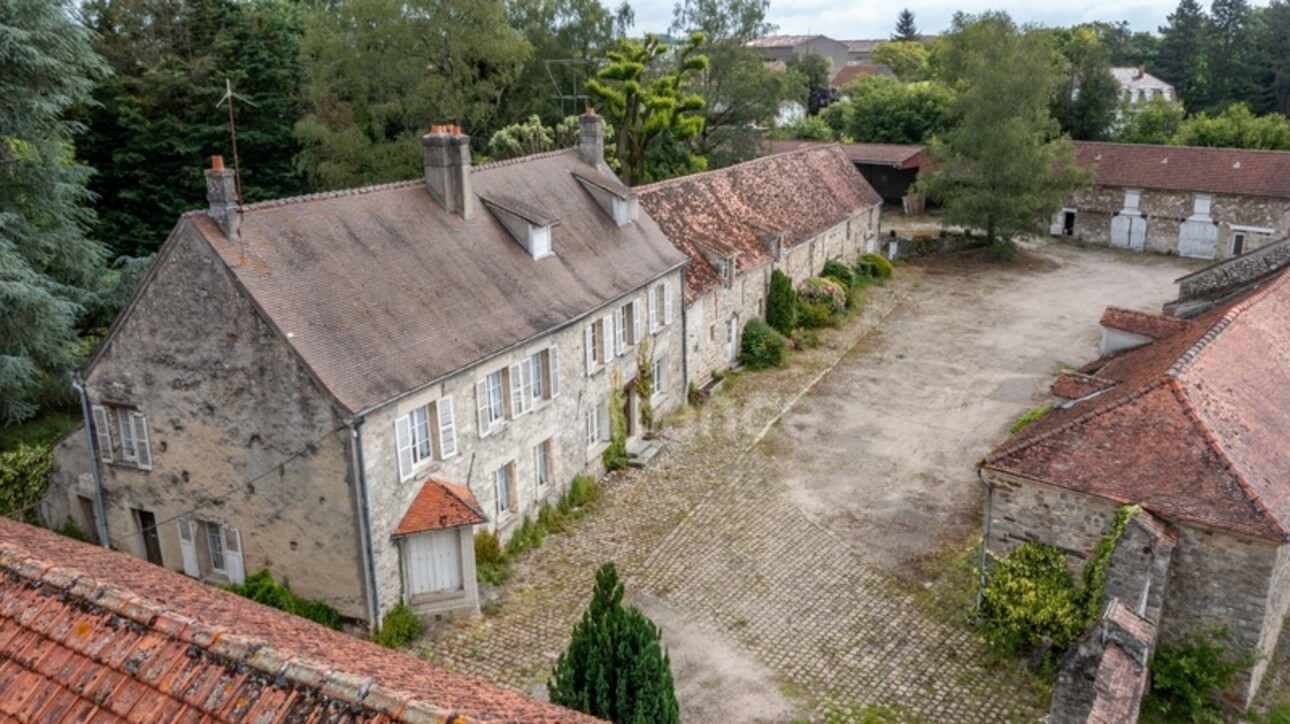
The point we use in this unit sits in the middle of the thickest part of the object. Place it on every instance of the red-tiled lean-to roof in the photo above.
(440, 505)
(1155, 326)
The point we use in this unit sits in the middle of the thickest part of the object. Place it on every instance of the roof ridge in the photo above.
(1230, 316)
(1095, 412)
(450, 488)
(521, 159)
(1207, 149)
(759, 160)
(1250, 495)
(219, 642)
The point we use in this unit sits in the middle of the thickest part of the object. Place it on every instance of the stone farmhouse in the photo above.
(1206, 203)
(782, 47)
(1188, 419)
(792, 211)
(88, 634)
(341, 387)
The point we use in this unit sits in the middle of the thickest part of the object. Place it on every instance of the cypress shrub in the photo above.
(780, 303)
(762, 347)
(615, 667)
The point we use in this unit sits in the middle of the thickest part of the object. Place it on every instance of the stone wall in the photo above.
(1138, 572)
(1232, 274)
(559, 420)
(912, 248)
(238, 431)
(1165, 210)
(1022, 511)
(1103, 677)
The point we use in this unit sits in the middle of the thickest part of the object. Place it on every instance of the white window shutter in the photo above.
(526, 383)
(667, 303)
(516, 379)
(481, 400)
(233, 555)
(142, 451)
(620, 330)
(447, 427)
(188, 545)
(403, 446)
(590, 344)
(102, 433)
(636, 322)
(553, 372)
(607, 337)
(653, 309)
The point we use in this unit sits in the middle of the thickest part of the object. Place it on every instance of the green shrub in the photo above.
(72, 529)
(817, 290)
(1028, 417)
(781, 303)
(881, 267)
(1029, 596)
(814, 316)
(582, 490)
(762, 347)
(1186, 677)
(24, 476)
(806, 339)
(487, 548)
(550, 519)
(527, 536)
(400, 628)
(262, 588)
(841, 272)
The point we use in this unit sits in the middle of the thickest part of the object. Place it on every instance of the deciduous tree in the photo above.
(1236, 127)
(907, 59)
(884, 110)
(1156, 121)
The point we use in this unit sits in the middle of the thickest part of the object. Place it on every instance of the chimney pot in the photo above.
(217, 163)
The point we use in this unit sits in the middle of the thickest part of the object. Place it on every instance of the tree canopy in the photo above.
(906, 58)
(884, 110)
(906, 30)
(1085, 104)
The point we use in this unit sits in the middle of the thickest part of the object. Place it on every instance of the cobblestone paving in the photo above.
(706, 530)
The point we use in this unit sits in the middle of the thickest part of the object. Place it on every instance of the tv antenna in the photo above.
(228, 97)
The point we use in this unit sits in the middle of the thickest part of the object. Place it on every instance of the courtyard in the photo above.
(801, 541)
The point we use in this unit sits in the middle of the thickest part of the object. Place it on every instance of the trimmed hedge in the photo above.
(24, 476)
(881, 267)
(814, 316)
(839, 271)
(762, 347)
(817, 290)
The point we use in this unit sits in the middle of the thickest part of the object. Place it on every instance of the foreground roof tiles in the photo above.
(1155, 326)
(793, 196)
(1240, 172)
(440, 505)
(1194, 429)
(88, 634)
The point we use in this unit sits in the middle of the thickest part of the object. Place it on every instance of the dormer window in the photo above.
(727, 269)
(619, 202)
(625, 210)
(529, 226)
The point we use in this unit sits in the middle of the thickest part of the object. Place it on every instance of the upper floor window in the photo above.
(426, 433)
(660, 306)
(504, 489)
(133, 428)
(513, 391)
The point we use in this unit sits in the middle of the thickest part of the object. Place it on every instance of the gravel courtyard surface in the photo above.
(786, 574)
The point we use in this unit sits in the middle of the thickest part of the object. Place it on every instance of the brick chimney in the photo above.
(221, 194)
(591, 144)
(1142, 71)
(446, 152)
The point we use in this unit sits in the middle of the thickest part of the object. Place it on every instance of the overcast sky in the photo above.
(850, 20)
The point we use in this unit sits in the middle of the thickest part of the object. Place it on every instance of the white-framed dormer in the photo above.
(618, 201)
(531, 227)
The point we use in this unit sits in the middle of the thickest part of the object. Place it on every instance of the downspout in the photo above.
(365, 526)
(100, 512)
(685, 344)
(985, 536)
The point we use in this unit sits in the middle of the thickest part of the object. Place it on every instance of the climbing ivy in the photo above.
(645, 385)
(615, 456)
(1095, 571)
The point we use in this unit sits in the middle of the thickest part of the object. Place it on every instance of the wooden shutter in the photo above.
(403, 446)
(553, 372)
(481, 401)
(607, 336)
(653, 309)
(636, 322)
(620, 330)
(667, 303)
(102, 433)
(515, 378)
(188, 545)
(233, 563)
(526, 380)
(447, 428)
(142, 451)
(590, 344)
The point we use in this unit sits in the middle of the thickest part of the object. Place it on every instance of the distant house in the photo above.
(1189, 419)
(341, 387)
(852, 73)
(783, 47)
(890, 168)
(1206, 203)
(1139, 86)
(88, 634)
(792, 211)
(860, 52)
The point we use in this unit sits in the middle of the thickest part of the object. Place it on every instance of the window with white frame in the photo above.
(660, 375)
(660, 306)
(544, 373)
(599, 342)
(490, 402)
(542, 465)
(134, 438)
(426, 433)
(620, 330)
(504, 489)
(596, 420)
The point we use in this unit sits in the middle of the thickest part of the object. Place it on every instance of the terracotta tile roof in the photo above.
(781, 41)
(381, 291)
(440, 505)
(1155, 326)
(91, 634)
(848, 74)
(862, 46)
(1164, 534)
(1240, 172)
(897, 155)
(1194, 429)
(793, 195)
(1077, 385)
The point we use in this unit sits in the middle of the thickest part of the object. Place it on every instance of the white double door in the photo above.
(433, 561)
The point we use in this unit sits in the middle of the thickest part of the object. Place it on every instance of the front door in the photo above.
(1129, 231)
(148, 529)
(1197, 239)
(732, 337)
(433, 562)
(629, 408)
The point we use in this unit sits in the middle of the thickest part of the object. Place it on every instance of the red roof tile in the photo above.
(848, 74)
(440, 505)
(109, 637)
(794, 196)
(1188, 168)
(1194, 429)
(896, 155)
(1154, 326)
(1077, 385)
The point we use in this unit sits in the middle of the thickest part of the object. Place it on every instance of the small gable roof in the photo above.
(1194, 428)
(440, 505)
(88, 633)
(381, 292)
(1155, 326)
(793, 196)
(1241, 172)
(896, 155)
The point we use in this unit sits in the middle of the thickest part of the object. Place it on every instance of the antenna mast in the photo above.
(229, 95)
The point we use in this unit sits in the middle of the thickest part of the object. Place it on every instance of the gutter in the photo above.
(365, 525)
(100, 513)
(985, 537)
(685, 343)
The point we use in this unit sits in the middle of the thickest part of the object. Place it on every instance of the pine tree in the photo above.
(48, 266)
(1182, 53)
(615, 667)
(905, 28)
(1228, 71)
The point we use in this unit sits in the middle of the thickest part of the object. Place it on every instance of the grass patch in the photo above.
(493, 561)
(41, 430)
(1028, 417)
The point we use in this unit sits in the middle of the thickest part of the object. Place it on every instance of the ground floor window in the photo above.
(433, 562)
(211, 550)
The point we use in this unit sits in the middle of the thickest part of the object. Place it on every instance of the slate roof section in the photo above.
(1134, 78)
(1155, 326)
(1194, 429)
(381, 292)
(438, 506)
(1239, 172)
(896, 155)
(793, 195)
(862, 46)
(92, 634)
